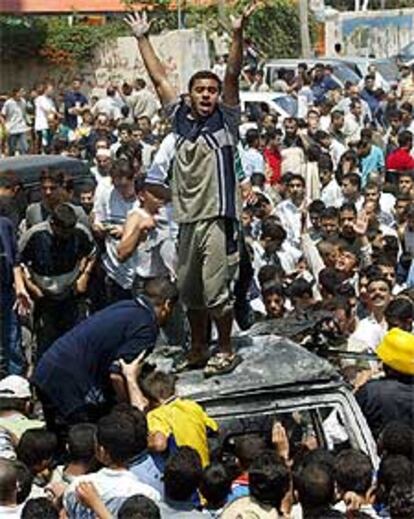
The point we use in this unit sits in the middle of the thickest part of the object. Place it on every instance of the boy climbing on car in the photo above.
(172, 421)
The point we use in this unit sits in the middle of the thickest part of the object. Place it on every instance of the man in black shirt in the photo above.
(58, 255)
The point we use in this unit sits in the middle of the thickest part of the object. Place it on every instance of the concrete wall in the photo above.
(182, 52)
(382, 33)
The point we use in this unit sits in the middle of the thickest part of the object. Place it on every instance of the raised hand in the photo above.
(138, 23)
(132, 369)
(361, 225)
(239, 21)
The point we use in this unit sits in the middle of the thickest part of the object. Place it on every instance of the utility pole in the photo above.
(304, 28)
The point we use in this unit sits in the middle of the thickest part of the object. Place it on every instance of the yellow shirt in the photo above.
(186, 422)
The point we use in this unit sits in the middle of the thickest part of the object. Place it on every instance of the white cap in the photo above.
(14, 386)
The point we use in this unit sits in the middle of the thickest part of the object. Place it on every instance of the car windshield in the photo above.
(408, 49)
(318, 427)
(288, 103)
(388, 70)
(345, 73)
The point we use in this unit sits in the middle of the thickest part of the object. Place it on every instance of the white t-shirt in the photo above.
(111, 208)
(253, 162)
(14, 113)
(113, 486)
(43, 106)
(11, 512)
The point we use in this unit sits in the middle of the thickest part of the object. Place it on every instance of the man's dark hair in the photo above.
(268, 479)
(380, 278)
(300, 288)
(159, 386)
(8, 179)
(353, 472)
(24, 481)
(347, 206)
(336, 114)
(392, 470)
(270, 273)
(124, 127)
(295, 176)
(36, 446)
(55, 176)
(252, 136)
(329, 213)
(116, 434)
(63, 216)
(271, 288)
(405, 139)
(139, 507)
(355, 101)
(400, 308)
(81, 442)
(329, 279)
(8, 481)
(404, 197)
(159, 290)
(315, 487)
(39, 508)
(371, 185)
(316, 207)
(121, 168)
(215, 485)
(401, 500)
(325, 162)
(248, 448)
(406, 173)
(204, 74)
(407, 107)
(272, 229)
(182, 474)
(354, 179)
(395, 114)
(397, 438)
(140, 423)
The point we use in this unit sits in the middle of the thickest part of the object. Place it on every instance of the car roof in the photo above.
(265, 95)
(268, 362)
(29, 167)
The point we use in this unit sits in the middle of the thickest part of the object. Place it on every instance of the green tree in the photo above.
(21, 36)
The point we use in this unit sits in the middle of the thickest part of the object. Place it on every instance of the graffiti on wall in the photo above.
(381, 36)
(181, 52)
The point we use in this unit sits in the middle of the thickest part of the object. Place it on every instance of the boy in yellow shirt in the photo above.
(172, 421)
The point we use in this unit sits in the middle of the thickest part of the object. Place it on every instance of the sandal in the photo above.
(191, 362)
(222, 363)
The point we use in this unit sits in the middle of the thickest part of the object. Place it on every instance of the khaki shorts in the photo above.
(208, 259)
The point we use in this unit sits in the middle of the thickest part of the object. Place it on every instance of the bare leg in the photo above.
(198, 324)
(224, 325)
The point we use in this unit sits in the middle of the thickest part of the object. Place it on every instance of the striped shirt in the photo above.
(204, 183)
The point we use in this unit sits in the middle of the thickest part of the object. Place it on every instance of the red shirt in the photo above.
(274, 161)
(400, 160)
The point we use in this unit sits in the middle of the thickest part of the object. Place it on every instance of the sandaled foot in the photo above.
(222, 363)
(191, 361)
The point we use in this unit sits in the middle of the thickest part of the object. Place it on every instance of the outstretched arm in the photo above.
(140, 28)
(235, 60)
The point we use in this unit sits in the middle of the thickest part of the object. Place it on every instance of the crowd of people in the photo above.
(195, 223)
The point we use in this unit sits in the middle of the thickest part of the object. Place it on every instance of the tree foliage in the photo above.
(274, 28)
(21, 37)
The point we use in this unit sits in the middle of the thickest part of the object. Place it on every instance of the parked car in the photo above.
(386, 68)
(283, 105)
(341, 71)
(29, 167)
(279, 380)
(406, 54)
